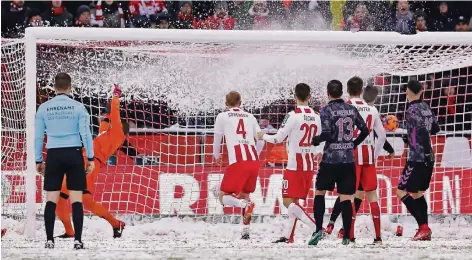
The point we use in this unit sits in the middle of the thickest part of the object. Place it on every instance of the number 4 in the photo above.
(240, 129)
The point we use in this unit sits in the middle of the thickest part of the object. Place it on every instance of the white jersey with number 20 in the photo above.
(369, 149)
(300, 126)
(240, 129)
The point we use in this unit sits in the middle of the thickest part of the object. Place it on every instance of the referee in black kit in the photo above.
(67, 126)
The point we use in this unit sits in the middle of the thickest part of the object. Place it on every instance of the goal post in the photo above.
(191, 70)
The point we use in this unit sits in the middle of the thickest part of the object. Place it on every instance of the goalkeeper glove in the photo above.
(117, 91)
(405, 139)
(316, 140)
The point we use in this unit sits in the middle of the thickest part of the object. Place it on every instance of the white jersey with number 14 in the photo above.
(369, 149)
(240, 129)
(300, 126)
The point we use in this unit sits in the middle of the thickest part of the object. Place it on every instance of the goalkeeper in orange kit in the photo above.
(112, 135)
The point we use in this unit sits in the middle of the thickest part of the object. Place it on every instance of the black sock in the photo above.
(422, 206)
(49, 219)
(347, 217)
(318, 211)
(78, 219)
(336, 211)
(412, 208)
(357, 203)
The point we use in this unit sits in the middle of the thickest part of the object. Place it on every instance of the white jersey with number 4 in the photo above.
(240, 129)
(369, 149)
(300, 126)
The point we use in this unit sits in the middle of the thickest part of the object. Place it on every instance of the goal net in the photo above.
(174, 83)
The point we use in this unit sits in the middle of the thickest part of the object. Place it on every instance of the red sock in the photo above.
(375, 211)
(351, 234)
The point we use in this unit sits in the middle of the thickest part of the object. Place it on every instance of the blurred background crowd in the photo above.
(407, 17)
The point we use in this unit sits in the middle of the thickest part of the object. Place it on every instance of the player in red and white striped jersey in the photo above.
(299, 126)
(239, 129)
(365, 154)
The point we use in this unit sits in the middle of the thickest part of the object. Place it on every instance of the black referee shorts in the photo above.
(68, 161)
(415, 177)
(342, 175)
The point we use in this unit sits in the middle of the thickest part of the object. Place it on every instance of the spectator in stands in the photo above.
(462, 25)
(34, 18)
(163, 22)
(185, 16)
(403, 22)
(240, 11)
(444, 22)
(83, 16)
(13, 19)
(107, 14)
(145, 12)
(219, 21)
(420, 21)
(360, 20)
(259, 14)
(57, 15)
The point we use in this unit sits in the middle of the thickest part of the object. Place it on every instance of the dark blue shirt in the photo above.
(338, 121)
(420, 123)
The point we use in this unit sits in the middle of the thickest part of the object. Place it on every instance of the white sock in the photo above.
(231, 201)
(289, 227)
(296, 211)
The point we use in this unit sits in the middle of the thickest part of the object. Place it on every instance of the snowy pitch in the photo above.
(187, 239)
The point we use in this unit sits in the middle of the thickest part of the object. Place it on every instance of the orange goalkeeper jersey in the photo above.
(110, 136)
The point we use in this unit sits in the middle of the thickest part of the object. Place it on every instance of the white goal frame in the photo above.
(38, 34)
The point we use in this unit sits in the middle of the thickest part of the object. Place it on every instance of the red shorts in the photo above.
(297, 184)
(366, 176)
(240, 177)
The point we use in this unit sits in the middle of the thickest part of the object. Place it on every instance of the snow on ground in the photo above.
(187, 239)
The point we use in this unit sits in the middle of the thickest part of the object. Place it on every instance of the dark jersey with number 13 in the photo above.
(337, 123)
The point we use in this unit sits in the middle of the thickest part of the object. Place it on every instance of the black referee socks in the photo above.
(78, 219)
(49, 219)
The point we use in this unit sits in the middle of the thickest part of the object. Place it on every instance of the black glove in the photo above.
(405, 139)
(315, 141)
(429, 159)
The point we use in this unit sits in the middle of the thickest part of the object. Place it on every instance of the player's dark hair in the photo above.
(62, 81)
(335, 88)
(354, 86)
(302, 92)
(415, 86)
(370, 93)
(233, 99)
(125, 126)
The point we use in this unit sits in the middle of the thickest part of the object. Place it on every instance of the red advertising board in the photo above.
(189, 187)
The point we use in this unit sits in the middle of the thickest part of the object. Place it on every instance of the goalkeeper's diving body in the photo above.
(112, 135)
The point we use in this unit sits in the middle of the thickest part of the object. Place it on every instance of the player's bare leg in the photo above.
(100, 211)
(424, 232)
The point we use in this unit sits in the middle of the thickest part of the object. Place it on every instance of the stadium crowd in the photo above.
(407, 17)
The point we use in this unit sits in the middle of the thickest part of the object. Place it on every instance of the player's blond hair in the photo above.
(233, 99)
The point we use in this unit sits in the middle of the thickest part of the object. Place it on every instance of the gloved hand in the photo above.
(117, 91)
